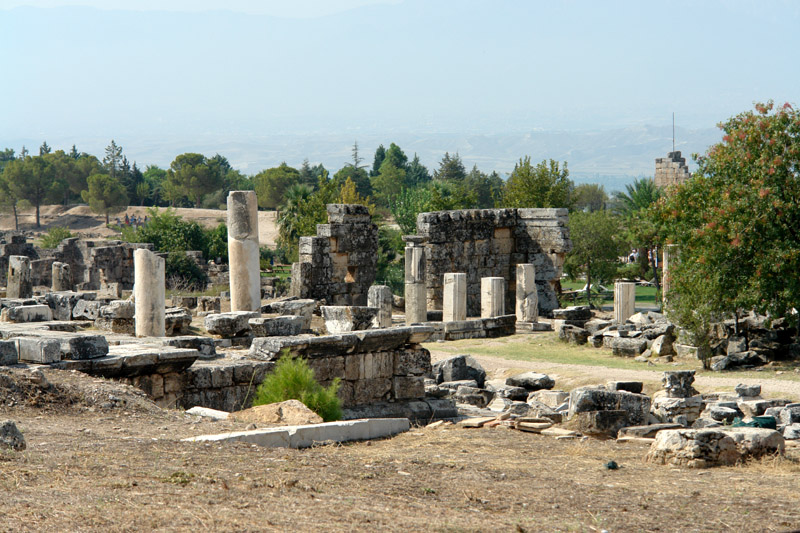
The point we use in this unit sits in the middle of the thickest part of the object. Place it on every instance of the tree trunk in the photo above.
(589, 282)
(655, 279)
(107, 221)
(16, 218)
(38, 225)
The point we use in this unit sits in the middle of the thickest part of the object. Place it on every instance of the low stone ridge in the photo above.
(11, 437)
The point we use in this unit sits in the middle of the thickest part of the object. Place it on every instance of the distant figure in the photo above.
(127, 220)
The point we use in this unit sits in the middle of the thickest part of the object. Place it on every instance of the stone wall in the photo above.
(492, 242)
(340, 263)
(374, 366)
(671, 170)
(14, 245)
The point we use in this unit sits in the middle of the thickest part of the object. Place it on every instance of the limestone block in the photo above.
(243, 251)
(408, 388)
(416, 303)
(346, 318)
(204, 345)
(86, 309)
(8, 353)
(19, 282)
(637, 406)
(11, 437)
(61, 277)
(493, 291)
(412, 362)
(380, 296)
(678, 383)
(624, 301)
(607, 423)
(277, 326)
(149, 293)
(27, 313)
(527, 308)
(454, 300)
(460, 367)
(122, 309)
(531, 381)
(693, 448)
(627, 347)
(177, 321)
(669, 409)
(233, 324)
(38, 350)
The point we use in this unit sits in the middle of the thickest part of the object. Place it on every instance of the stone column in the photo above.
(493, 295)
(527, 294)
(380, 296)
(62, 277)
(19, 283)
(670, 258)
(415, 294)
(148, 293)
(454, 300)
(243, 252)
(624, 301)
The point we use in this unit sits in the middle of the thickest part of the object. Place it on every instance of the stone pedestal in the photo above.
(670, 257)
(149, 293)
(527, 295)
(380, 296)
(493, 292)
(624, 301)
(62, 277)
(415, 294)
(454, 301)
(243, 252)
(19, 277)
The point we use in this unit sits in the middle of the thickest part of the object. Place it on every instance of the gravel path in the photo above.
(770, 387)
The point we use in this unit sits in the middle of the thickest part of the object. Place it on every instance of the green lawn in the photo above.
(645, 296)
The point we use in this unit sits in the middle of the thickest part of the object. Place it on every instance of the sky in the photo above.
(266, 81)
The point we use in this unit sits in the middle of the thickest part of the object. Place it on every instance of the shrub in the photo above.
(184, 274)
(293, 379)
(54, 236)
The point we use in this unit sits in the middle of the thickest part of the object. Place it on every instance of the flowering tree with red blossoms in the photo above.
(737, 222)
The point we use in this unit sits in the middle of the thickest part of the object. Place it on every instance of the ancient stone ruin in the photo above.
(671, 170)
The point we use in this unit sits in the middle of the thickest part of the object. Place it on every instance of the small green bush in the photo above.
(54, 236)
(293, 379)
(183, 274)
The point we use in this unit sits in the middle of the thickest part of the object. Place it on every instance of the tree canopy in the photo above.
(545, 185)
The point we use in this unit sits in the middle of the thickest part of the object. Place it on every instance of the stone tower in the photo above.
(671, 170)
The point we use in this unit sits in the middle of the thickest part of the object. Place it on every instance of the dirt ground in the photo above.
(82, 222)
(101, 457)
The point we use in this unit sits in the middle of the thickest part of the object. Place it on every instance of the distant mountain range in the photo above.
(612, 157)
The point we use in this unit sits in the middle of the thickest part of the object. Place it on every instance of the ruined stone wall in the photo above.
(671, 170)
(340, 263)
(492, 242)
(14, 245)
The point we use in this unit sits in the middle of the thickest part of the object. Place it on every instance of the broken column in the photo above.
(243, 252)
(493, 293)
(148, 293)
(670, 257)
(454, 300)
(527, 294)
(415, 294)
(19, 277)
(62, 277)
(624, 301)
(380, 296)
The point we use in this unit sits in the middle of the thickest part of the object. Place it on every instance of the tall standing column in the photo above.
(19, 283)
(380, 296)
(415, 294)
(624, 301)
(62, 277)
(527, 294)
(148, 293)
(670, 258)
(243, 252)
(454, 299)
(493, 297)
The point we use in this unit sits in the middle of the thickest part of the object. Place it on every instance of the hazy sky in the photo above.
(182, 70)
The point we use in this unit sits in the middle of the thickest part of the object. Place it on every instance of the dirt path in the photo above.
(582, 374)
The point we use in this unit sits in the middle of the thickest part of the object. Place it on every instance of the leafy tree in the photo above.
(590, 197)
(73, 153)
(597, 244)
(170, 232)
(271, 184)
(544, 185)
(305, 215)
(388, 183)
(112, 159)
(451, 169)
(54, 236)
(31, 179)
(85, 166)
(348, 194)
(380, 155)
(637, 196)
(288, 216)
(358, 176)
(416, 173)
(9, 201)
(23, 153)
(396, 157)
(154, 178)
(736, 223)
(105, 195)
(6, 156)
(487, 188)
(65, 172)
(408, 204)
(44, 149)
(193, 176)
